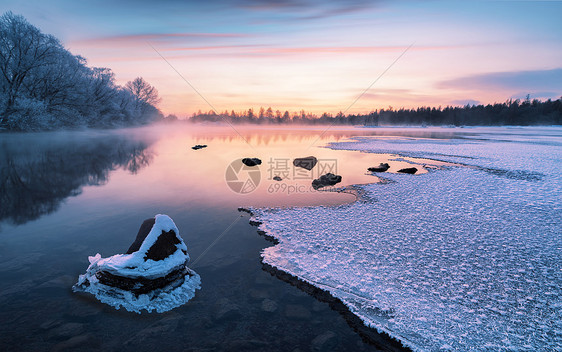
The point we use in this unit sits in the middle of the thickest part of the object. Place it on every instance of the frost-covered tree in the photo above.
(44, 86)
(24, 51)
(143, 91)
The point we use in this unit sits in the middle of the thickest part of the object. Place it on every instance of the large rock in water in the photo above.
(306, 163)
(151, 275)
(251, 161)
(165, 245)
(328, 179)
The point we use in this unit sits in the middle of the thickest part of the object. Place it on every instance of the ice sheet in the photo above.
(455, 259)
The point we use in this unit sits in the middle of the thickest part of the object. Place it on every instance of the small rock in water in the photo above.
(306, 163)
(408, 170)
(152, 275)
(381, 168)
(326, 180)
(251, 161)
(277, 178)
(199, 146)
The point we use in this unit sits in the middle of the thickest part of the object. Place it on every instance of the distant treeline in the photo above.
(43, 86)
(512, 112)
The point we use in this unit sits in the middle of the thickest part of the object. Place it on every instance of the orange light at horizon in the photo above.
(323, 65)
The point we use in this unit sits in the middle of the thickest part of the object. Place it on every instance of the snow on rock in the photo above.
(462, 258)
(152, 275)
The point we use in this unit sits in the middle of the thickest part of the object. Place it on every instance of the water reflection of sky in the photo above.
(182, 176)
(87, 192)
(40, 171)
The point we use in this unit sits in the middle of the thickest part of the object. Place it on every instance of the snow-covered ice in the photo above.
(135, 266)
(461, 258)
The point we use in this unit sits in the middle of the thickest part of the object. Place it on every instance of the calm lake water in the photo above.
(68, 195)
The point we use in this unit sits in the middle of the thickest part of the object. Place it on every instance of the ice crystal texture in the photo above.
(462, 258)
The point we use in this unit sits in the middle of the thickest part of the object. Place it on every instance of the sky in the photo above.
(315, 55)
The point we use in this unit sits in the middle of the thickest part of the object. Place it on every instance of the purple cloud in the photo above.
(528, 81)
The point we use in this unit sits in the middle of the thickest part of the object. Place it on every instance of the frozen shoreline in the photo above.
(457, 258)
(379, 339)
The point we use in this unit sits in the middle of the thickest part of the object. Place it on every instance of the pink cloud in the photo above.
(119, 40)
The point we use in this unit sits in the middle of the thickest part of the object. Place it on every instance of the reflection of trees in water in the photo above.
(258, 137)
(35, 180)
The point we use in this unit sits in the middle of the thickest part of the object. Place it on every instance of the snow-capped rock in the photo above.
(152, 275)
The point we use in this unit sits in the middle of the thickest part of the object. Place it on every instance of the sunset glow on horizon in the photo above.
(316, 56)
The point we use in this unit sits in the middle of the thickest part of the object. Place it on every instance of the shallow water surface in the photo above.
(68, 195)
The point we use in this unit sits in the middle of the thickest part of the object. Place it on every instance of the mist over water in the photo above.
(70, 195)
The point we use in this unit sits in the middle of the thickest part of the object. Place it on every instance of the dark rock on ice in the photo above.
(277, 178)
(199, 146)
(408, 170)
(251, 161)
(306, 163)
(381, 168)
(328, 179)
(245, 210)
